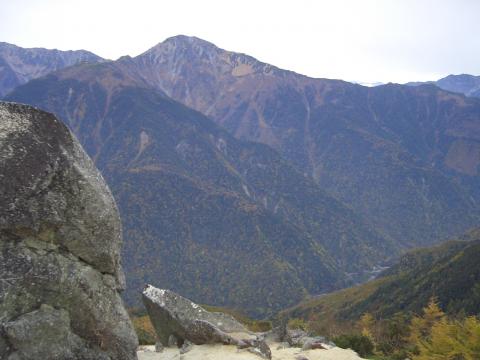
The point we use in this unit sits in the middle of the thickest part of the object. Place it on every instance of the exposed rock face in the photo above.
(300, 338)
(60, 239)
(174, 315)
(469, 85)
(19, 65)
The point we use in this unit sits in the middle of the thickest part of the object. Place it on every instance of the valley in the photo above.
(338, 181)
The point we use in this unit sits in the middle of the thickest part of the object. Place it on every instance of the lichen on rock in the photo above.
(174, 315)
(60, 241)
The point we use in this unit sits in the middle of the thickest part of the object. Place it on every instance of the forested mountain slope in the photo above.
(220, 220)
(405, 157)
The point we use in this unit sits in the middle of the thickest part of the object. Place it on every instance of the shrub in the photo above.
(296, 323)
(144, 329)
(260, 326)
(361, 344)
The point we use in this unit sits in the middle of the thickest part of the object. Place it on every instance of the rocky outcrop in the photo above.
(300, 338)
(60, 239)
(175, 316)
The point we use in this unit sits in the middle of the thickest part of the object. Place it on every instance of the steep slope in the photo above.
(407, 158)
(464, 83)
(469, 85)
(450, 272)
(19, 65)
(217, 219)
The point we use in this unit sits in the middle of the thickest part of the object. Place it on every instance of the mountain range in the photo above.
(405, 157)
(241, 184)
(218, 219)
(466, 84)
(19, 65)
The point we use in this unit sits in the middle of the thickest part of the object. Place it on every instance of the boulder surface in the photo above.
(174, 315)
(60, 242)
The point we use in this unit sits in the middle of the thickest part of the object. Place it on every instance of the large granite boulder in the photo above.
(60, 240)
(175, 316)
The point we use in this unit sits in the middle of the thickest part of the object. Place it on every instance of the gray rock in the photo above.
(60, 241)
(174, 315)
(258, 347)
(159, 347)
(204, 332)
(313, 344)
(186, 347)
(278, 332)
(46, 334)
(283, 345)
(172, 341)
(295, 337)
(300, 338)
(301, 357)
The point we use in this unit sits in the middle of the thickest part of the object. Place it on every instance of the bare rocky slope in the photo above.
(19, 65)
(466, 84)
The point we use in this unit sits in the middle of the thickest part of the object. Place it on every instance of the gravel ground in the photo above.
(229, 352)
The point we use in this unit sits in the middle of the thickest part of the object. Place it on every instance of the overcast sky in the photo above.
(355, 40)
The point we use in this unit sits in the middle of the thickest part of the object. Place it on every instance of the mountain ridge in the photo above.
(309, 120)
(19, 65)
(401, 157)
(466, 84)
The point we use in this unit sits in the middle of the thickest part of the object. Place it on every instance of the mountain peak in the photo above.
(182, 43)
(181, 52)
(188, 40)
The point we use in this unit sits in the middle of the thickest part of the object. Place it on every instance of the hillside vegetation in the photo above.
(450, 272)
(217, 219)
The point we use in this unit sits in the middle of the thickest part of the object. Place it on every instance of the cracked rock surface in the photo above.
(60, 240)
(174, 315)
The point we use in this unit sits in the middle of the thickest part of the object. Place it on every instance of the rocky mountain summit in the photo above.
(60, 242)
(466, 84)
(19, 65)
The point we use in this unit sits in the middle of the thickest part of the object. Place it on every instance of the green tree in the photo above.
(361, 344)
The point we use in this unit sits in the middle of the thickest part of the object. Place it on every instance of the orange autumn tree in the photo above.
(451, 340)
(437, 337)
(421, 326)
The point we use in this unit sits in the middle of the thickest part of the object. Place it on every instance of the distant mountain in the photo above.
(220, 220)
(450, 272)
(19, 65)
(407, 158)
(468, 85)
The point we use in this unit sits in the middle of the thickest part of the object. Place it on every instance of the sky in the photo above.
(355, 40)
